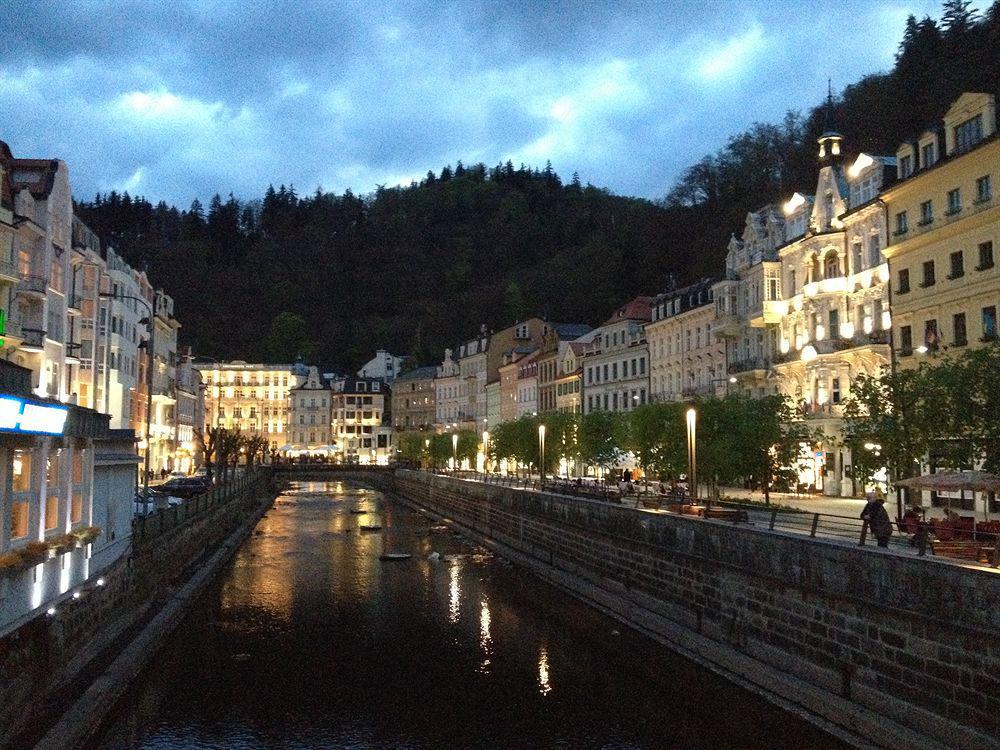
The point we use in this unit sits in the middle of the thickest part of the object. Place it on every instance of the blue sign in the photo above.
(30, 418)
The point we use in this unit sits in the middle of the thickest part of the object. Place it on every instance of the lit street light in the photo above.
(541, 451)
(486, 450)
(692, 418)
(454, 451)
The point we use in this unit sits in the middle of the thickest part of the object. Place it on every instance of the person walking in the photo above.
(878, 518)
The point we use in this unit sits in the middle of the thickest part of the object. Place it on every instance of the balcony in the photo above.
(32, 286)
(727, 325)
(822, 411)
(9, 273)
(752, 365)
(32, 339)
(770, 313)
(11, 335)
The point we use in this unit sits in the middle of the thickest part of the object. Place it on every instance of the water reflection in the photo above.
(485, 639)
(454, 594)
(309, 640)
(544, 686)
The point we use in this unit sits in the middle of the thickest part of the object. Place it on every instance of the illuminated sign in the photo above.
(19, 415)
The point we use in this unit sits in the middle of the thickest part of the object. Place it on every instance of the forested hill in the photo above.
(418, 268)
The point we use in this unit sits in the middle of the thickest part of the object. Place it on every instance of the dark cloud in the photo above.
(175, 100)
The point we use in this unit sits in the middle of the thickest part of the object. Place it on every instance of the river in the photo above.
(308, 640)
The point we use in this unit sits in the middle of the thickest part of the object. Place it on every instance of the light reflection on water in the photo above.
(308, 640)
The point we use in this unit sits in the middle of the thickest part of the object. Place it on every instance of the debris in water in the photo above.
(395, 556)
(615, 632)
(370, 527)
(241, 657)
(434, 556)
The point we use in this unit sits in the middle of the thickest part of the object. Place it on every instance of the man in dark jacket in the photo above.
(878, 519)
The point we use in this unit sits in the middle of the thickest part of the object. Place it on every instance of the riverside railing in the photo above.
(163, 520)
(975, 549)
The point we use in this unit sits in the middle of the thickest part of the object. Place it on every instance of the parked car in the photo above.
(153, 500)
(186, 487)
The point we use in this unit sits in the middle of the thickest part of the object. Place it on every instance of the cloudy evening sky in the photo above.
(175, 100)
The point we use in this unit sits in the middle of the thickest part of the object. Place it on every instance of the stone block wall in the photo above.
(878, 644)
(47, 652)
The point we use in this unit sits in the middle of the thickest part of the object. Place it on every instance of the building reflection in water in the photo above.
(454, 595)
(544, 686)
(485, 639)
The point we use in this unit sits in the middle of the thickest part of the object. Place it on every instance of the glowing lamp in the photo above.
(808, 353)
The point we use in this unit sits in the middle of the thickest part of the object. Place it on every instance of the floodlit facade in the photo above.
(616, 362)
(310, 416)
(361, 421)
(251, 397)
(944, 218)
(686, 358)
(569, 376)
(448, 397)
(472, 370)
(414, 400)
(383, 365)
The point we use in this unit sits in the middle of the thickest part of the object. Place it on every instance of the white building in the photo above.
(383, 365)
(448, 392)
(616, 362)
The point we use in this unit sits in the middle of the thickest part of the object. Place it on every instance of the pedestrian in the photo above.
(878, 519)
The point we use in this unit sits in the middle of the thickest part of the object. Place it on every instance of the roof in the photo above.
(44, 179)
(419, 373)
(639, 308)
(571, 330)
(952, 481)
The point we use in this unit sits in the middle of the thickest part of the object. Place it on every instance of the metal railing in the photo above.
(163, 520)
(765, 518)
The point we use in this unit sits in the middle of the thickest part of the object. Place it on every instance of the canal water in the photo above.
(309, 640)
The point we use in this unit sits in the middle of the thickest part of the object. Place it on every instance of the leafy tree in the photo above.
(598, 443)
(288, 339)
(657, 436)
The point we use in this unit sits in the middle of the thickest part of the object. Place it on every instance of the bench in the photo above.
(964, 550)
(726, 514)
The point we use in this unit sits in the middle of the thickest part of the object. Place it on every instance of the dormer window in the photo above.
(927, 155)
(968, 133)
(905, 166)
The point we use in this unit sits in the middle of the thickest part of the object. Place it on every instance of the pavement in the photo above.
(832, 506)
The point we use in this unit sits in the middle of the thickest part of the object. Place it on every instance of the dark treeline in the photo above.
(417, 268)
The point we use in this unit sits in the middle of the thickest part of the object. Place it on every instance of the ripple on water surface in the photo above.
(309, 640)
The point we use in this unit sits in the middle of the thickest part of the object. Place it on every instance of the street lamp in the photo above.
(486, 451)
(692, 418)
(454, 451)
(541, 451)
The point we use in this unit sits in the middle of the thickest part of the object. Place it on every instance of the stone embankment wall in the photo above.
(874, 646)
(47, 653)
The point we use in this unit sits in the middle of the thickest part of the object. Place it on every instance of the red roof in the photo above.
(640, 308)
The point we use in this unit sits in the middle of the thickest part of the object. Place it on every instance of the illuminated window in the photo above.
(78, 467)
(52, 468)
(19, 520)
(51, 512)
(22, 471)
(76, 508)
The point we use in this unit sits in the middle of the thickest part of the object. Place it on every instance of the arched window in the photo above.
(831, 265)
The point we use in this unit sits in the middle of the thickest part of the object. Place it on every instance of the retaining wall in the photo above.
(46, 653)
(873, 645)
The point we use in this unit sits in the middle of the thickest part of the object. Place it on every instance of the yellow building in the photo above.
(944, 221)
(250, 397)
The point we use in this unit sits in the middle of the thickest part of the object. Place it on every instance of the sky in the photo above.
(181, 100)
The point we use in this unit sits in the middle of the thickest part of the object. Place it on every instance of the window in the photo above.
(835, 390)
(903, 286)
(772, 289)
(905, 166)
(901, 224)
(614, 370)
(954, 202)
(22, 471)
(905, 340)
(19, 520)
(958, 327)
(968, 133)
(990, 323)
(78, 467)
(926, 155)
(791, 282)
(984, 190)
(874, 251)
(928, 274)
(931, 339)
(831, 266)
(985, 256)
(957, 265)
(51, 512)
(926, 213)
(76, 508)
(834, 318)
(856, 256)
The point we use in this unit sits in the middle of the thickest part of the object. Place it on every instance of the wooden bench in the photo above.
(727, 514)
(980, 552)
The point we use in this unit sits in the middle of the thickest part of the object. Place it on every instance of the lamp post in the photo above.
(541, 451)
(151, 322)
(454, 451)
(692, 419)
(486, 451)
